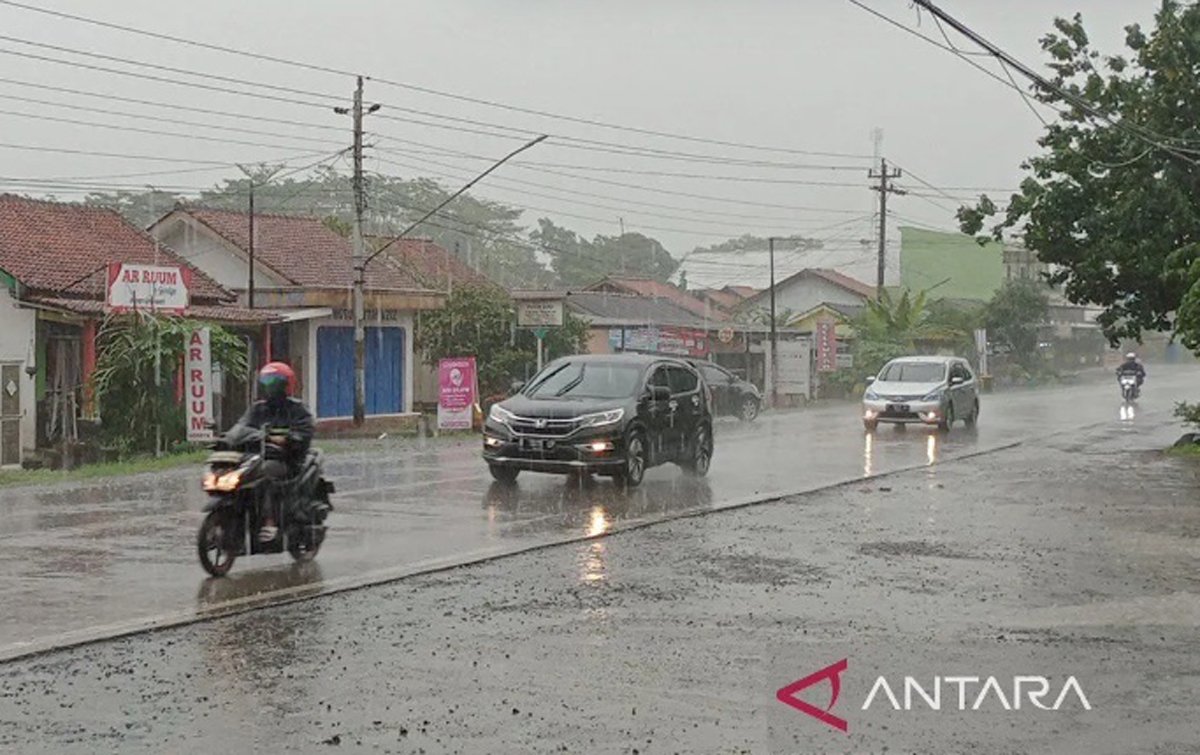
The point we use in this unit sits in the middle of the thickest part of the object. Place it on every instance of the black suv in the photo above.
(732, 396)
(615, 415)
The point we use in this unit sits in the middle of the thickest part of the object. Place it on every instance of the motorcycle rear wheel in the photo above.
(212, 543)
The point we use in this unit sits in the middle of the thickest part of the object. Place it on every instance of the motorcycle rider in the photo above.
(276, 408)
(1131, 366)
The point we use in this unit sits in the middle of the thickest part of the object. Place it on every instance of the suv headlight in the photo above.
(601, 418)
(871, 395)
(500, 414)
(934, 395)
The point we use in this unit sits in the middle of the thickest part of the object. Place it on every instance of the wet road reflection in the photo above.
(75, 558)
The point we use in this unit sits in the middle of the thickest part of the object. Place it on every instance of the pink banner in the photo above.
(456, 392)
(826, 346)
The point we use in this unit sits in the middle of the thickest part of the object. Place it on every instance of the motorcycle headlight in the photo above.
(500, 414)
(601, 418)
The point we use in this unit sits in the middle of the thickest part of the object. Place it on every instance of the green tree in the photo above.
(579, 262)
(891, 328)
(1114, 202)
(477, 321)
(1013, 315)
(124, 381)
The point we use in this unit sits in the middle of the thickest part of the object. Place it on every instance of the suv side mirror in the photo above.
(870, 379)
(957, 380)
(660, 393)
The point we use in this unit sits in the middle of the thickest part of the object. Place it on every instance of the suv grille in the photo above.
(543, 427)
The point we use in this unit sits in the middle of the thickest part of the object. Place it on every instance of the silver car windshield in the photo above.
(913, 372)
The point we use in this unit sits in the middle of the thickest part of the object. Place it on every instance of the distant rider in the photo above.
(1131, 366)
(277, 409)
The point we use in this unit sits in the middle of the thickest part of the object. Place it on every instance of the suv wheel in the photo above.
(947, 419)
(749, 409)
(973, 417)
(701, 453)
(634, 468)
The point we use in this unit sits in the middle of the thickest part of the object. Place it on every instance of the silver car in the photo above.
(922, 389)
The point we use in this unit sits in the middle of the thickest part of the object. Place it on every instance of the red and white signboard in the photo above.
(159, 288)
(456, 393)
(199, 393)
(826, 345)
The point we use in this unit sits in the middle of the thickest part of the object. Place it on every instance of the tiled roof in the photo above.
(301, 249)
(431, 265)
(56, 247)
(658, 289)
(841, 280)
(603, 308)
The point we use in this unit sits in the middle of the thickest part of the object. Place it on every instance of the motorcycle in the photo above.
(240, 492)
(1129, 386)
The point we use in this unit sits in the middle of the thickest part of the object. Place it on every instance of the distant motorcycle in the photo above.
(240, 492)
(1129, 386)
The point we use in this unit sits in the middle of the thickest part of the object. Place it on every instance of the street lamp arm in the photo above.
(453, 196)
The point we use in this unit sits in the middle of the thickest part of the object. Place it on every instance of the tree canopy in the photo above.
(579, 262)
(1113, 198)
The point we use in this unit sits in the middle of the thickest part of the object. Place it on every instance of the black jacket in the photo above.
(1134, 367)
(290, 413)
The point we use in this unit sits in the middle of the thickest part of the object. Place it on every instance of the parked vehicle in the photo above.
(240, 492)
(1129, 386)
(614, 415)
(732, 396)
(932, 390)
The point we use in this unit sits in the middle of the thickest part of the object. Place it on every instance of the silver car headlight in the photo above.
(871, 395)
(601, 418)
(500, 414)
(933, 395)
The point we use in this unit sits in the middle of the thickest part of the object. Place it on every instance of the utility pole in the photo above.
(253, 180)
(358, 262)
(774, 333)
(884, 188)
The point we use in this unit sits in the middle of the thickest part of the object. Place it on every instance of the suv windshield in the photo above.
(595, 380)
(913, 372)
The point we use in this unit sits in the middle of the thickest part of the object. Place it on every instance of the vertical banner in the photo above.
(826, 345)
(199, 391)
(456, 393)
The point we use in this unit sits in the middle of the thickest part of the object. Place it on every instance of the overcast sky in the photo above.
(803, 75)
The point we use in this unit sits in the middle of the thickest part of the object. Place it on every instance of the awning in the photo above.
(215, 313)
(310, 313)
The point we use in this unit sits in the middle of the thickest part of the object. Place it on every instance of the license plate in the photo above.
(897, 407)
(532, 444)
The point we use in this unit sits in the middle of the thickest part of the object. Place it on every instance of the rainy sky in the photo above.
(814, 77)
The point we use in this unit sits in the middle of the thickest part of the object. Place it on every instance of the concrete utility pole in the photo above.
(253, 181)
(358, 262)
(884, 188)
(774, 334)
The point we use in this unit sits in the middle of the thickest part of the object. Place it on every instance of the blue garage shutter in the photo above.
(335, 371)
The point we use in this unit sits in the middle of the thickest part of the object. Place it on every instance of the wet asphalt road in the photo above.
(1074, 553)
(81, 561)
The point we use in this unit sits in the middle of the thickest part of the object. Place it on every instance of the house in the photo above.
(437, 269)
(656, 289)
(54, 261)
(809, 288)
(726, 298)
(303, 272)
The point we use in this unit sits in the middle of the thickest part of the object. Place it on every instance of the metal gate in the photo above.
(10, 414)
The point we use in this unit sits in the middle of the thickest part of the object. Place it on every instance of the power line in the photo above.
(123, 155)
(424, 90)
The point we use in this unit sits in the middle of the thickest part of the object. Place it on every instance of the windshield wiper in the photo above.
(574, 383)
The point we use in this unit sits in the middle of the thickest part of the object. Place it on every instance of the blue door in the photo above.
(335, 371)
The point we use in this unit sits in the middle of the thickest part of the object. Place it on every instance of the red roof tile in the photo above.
(301, 249)
(658, 289)
(431, 265)
(56, 247)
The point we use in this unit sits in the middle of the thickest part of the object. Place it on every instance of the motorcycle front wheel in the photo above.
(212, 544)
(304, 548)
